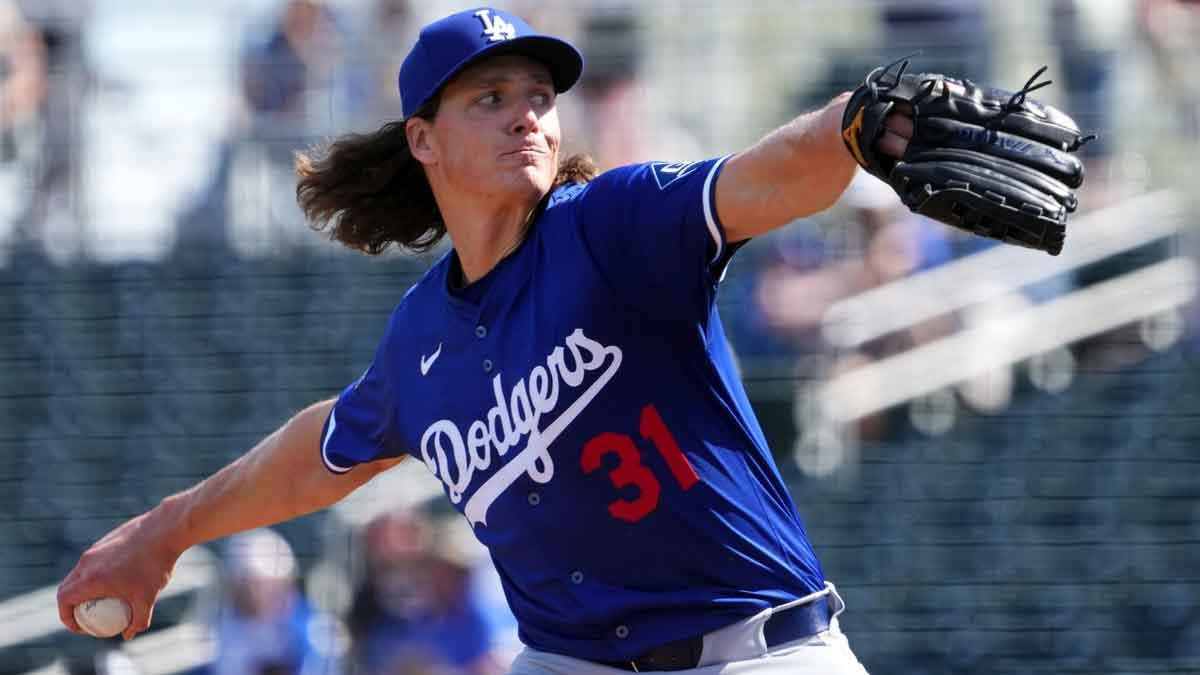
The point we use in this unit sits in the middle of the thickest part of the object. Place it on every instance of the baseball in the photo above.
(103, 617)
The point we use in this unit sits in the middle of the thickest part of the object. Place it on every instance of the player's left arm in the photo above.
(795, 171)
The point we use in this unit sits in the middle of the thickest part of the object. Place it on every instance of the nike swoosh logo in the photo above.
(427, 361)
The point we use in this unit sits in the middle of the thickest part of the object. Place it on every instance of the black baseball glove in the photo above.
(989, 161)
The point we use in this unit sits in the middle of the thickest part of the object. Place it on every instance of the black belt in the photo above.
(786, 625)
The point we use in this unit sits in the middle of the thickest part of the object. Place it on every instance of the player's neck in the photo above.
(483, 237)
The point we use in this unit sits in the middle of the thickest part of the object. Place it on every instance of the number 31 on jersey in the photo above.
(631, 471)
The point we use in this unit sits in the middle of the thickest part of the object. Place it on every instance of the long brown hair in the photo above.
(368, 192)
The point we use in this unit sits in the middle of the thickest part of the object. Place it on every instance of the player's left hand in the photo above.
(995, 163)
(898, 131)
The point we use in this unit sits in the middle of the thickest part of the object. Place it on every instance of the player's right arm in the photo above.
(281, 478)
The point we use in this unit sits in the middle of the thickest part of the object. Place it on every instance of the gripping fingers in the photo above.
(900, 123)
(66, 611)
(142, 612)
(898, 130)
(71, 592)
(892, 145)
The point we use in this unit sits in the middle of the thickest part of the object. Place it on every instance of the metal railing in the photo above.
(1014, 334)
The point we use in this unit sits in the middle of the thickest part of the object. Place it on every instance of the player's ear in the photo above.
(419, 132)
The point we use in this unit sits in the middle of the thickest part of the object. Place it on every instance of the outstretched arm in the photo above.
(797, 170)
(279, 479)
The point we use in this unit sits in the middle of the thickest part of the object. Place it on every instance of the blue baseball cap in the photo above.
(447, 46)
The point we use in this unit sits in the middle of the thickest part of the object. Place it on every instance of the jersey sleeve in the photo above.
(361, 426)
(653, 231)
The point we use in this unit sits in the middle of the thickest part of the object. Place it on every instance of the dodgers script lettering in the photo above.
(455, 457)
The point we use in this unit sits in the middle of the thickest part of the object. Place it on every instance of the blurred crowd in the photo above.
(422, 599)
(111, 152)
(429, 601)
(869, 240)
(415, 596)
(213, 159)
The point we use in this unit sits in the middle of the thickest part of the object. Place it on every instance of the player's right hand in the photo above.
(132, 563)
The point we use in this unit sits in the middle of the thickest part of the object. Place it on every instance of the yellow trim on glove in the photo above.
(850, 135)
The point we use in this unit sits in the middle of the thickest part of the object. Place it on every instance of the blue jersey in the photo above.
(581, 406)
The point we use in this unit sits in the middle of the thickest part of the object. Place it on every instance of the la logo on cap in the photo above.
(495, 27)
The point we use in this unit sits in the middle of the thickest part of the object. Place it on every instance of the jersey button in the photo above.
(534, 499)
(487, 365)
(577, 577)
(622, 631)
(480, 331)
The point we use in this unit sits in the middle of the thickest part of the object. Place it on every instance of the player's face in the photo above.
(496, 130)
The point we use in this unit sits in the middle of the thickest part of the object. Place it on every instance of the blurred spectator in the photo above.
(264, 625)
(23, 85)
(882, 242)
(1172, 28)
(389, 23)
(22, 76)
(618, 126)
(952, 35)
(291, 73)
(294, 83)
(942, 36)
(55, 212)
(415, 611)
(1087, 36)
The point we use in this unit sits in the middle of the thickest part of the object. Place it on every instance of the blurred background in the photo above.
(994, 451)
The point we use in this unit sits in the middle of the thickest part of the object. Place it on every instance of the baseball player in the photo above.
(562, 370)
